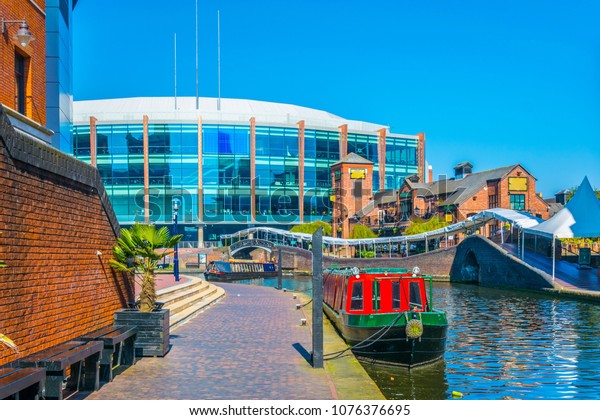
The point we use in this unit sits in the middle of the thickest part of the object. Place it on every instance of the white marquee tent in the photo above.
(580, 218)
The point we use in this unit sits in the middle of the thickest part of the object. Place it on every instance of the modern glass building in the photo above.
(248, 163)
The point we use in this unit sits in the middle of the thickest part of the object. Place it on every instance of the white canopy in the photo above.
(523, 220)
(580, 218)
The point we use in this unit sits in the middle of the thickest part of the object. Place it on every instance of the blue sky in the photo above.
(493, 82)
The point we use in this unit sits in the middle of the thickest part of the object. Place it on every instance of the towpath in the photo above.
(250, 345)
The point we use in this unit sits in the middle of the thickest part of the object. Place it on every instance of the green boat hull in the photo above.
(383, 339)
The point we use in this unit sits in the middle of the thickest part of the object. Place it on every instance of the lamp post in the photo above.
(23, 35)
(176, 256)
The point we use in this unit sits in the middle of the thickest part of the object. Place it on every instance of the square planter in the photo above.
(153, 330)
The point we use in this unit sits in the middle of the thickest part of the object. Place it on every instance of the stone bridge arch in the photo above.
(479, 260)
(249, 244)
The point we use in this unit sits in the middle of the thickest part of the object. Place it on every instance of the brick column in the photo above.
(200, 186)
(301, 169)
(343, 140)
(146, 173)
(93, 142)
(253, 169)
(381, 151)
(421, 156)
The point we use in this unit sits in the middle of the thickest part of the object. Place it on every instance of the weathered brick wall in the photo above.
(35, 52)
(54, 217)
(435, 263)
(480, 201)
(479, 260)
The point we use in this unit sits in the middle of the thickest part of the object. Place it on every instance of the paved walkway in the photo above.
(250, 345)
(567, 274)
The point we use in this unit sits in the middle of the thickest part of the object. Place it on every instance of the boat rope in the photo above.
(363, 343)
(307, 303)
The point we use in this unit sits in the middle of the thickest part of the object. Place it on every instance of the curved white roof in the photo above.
(580, 218)
(233, 111)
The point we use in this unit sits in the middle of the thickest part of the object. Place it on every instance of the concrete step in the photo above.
(192, 296)
(188, 299)
(173, 297)
(216, 293)
(166, 294)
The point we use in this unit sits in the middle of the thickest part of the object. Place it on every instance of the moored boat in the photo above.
(239, 270)
(385, 315)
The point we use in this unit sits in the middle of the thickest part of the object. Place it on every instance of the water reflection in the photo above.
(423, 383)
(501, 345)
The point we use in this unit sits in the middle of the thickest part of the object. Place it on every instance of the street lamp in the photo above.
(176, 256)
(23, 35)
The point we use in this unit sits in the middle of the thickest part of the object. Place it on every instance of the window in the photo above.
(415, 296)
(20, 83)
(357, 296)
(395, 295)
(517, 202)
(492, 201)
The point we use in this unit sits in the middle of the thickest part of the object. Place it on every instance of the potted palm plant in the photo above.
(8, 342)
(138, 251)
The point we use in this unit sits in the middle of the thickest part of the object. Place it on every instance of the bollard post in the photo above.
(279, 270)
(317, 292)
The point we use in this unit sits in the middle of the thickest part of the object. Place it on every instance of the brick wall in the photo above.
(35, 52)
(54, 217)
(480, 201)
(435, 263)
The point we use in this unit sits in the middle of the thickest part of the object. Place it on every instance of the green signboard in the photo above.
(585, 256)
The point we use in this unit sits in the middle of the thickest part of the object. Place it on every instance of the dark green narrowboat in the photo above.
(385, 315)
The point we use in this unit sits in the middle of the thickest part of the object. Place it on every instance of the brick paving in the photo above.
(247, 346)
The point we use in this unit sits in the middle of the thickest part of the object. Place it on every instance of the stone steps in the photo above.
(188, 299)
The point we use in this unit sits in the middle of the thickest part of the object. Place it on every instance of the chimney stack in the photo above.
(430, 174)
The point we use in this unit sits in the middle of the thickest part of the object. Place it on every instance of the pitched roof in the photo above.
(462, 164)
(381, 197)
(353, 158)
(459, 190)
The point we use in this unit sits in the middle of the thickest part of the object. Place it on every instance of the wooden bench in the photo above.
(22, 384)
(192, 265)
(118, 351)
(82, 358)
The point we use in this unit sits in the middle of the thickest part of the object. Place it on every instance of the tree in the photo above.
(420, 226)
(360, 231)
(136, 252)
(312, 227)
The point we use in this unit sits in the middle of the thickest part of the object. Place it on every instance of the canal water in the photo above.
(501, 345)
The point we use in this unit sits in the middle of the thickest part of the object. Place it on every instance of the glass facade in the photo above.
(226, 194)
(59, 72)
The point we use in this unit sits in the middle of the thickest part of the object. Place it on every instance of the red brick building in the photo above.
(454, 199)
(352, 182)
(468, 193)
(23, 68)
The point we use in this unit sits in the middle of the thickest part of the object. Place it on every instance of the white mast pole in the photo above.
(197, 100)
(175, 67)
(219, 60)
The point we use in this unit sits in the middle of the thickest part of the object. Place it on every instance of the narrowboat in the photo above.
(385, 315)
(239, 270)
